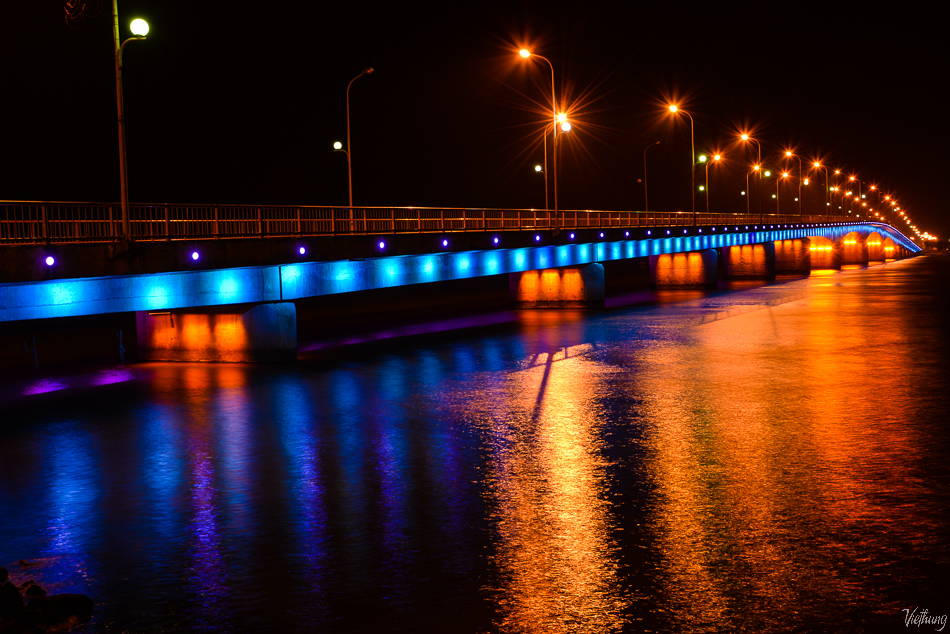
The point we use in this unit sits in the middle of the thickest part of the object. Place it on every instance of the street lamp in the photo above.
(349, 147)
(818, 166)
(692, 158)
(778, 196)
(525, 53)
(789, 154)
(715, 157)
(748, 208)
(139, 30)
(758, 160)
(541, 170)
(646, 200)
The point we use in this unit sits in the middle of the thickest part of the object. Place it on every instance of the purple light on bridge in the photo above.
(572, 236)
(50, 261)
(495, 240)
(537, 238)
(601, 234)
(648, 232)
(302, 250)
(626, 234)
(194, 255)
(445, 243)
(382, 245)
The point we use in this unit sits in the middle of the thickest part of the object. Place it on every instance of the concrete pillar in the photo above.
(567, 287)
(854, 249)
(875, 244)
(748, 262)
(696, 269)
(235, 334)
(825, 254)
(792, 257)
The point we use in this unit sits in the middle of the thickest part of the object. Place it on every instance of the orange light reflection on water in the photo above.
(556, 559)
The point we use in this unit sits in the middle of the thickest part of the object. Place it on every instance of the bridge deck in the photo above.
(186, 289)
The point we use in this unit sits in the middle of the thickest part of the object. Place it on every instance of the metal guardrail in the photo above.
(38, 222)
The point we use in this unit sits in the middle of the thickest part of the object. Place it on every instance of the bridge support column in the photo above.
(568, 287)
(748, 262)
(696, 269)
(234, 334)
(792, 257)
(825, 254)
(854, 249)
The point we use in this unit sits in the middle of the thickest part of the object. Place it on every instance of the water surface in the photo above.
(765, 460)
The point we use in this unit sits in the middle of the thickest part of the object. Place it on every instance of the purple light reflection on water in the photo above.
(41, 386)
(112, 375)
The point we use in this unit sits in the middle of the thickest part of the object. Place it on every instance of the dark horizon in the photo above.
(244, 107)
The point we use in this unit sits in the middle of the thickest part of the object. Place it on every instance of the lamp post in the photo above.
(139, 30)
(349, 148)
(692, 158)
(715, 157)
(646, 199)
(543, 171)
(778, 196)
(525, 53)
(748, 207)
(758, 161)
(789, 154)
(818, 166)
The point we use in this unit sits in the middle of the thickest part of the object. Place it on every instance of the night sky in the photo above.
(240, 103)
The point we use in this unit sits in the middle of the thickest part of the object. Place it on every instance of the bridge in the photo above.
(217, 283)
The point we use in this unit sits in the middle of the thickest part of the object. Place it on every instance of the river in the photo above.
(770, 459)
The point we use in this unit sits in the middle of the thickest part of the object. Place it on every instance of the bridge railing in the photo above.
(37, 222)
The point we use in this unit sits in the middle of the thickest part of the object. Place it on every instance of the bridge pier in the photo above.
(792, 257)
(854, 249)
(748, 262)
(565, 287)
(695, 269)
(825, 254)
(235, 334)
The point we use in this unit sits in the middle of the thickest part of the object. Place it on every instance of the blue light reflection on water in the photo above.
(694, 466)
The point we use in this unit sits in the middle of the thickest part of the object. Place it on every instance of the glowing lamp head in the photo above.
(817, 164)
(445, 243)
(744, 137)
(537, 168)
(49, 260)
(768, 173)
(788, 153)
(784, 174)
(572, 236)
(537, 238)
(194, 255)
(139, 27)
(337, 146)
(382, 245)
(755, 167)
(302, 250)
(561, 117)
(673, 108)
(566, 127)
(852, 178)
(525, 53)
(495, 240)
(702, 158)
(717, 157)
(806, 181)
(837, 171)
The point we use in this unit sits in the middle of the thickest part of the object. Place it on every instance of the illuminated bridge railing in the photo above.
(36, 222)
